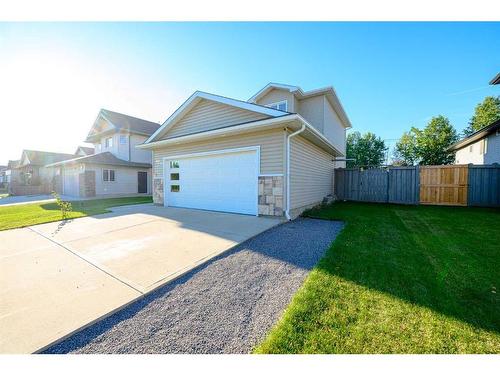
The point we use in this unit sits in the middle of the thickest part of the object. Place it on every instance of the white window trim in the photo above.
(109, 174)
(277, 104)
(208, 153)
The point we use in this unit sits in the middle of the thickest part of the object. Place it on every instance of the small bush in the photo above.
(65, 207)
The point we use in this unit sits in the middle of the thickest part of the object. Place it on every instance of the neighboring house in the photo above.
(117, 167)
(271, 155)
(481, 147)
(11, 170)
(30, 176)
(3, 177)
(84, 151)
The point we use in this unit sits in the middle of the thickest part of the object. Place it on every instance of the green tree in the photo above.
(433, 142)
(366, 149)
(406, 150)
(485, 113)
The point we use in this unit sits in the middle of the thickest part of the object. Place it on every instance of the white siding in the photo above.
(270, 142)
(472, 154)
(209, 115)
(137, 155)
(311, 173)
(125, 180)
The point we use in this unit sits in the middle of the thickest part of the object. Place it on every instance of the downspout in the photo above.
(287, 212)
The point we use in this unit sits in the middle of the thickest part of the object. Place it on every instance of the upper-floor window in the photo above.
(108, 142)
(123, 139)
(281, 106)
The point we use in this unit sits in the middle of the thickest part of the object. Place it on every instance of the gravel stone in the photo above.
(226, 305)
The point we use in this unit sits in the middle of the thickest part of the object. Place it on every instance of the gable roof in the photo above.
(86, 150)
(42, 158)
(329, 92)
(106, 158)
(199, 95)
(13, 164)
(474, 137)
(119, 121)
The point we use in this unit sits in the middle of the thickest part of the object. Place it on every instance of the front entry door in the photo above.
(142, 182)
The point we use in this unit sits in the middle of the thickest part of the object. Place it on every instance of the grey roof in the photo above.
(13, 164)
(495, 80)
(105, 158)
(87, 150)
(45, 157)
(481, 133)
(130, 123)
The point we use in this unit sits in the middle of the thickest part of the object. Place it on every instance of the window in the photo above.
(483, 146)
(471, 148)
(175, 188)
(174, 164)
(123, 139)
(174, 176)
(108, 175)
(281, 106)
(108, 142)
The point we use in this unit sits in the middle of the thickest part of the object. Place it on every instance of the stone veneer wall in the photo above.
(271, 195)
(158, 191)
(86, 184)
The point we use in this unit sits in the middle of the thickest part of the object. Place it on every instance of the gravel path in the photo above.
(226, 305)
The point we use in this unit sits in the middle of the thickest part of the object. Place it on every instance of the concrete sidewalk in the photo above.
(56, 278)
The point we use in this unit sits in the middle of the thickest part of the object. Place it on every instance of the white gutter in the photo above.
(287, 212)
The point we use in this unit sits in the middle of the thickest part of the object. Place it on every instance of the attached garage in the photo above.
(71, 182)
(224, 180)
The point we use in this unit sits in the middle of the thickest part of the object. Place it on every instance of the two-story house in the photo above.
(271, 155)
(481, 147)
(116, 166)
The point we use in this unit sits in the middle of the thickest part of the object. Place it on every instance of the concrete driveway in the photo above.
(58, 277)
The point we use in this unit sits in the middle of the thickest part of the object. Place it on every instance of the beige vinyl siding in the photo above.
(208, 115)
(270, 142)
(311, 173)
(278, 95)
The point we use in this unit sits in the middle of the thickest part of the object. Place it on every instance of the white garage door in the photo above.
(70, 183)
(220, 182)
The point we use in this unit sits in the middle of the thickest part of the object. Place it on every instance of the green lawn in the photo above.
(36, 213)
(399, 279)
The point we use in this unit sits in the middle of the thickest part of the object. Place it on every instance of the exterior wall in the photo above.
(475, 156)
(313, 110)
(334, 131)
(270, 142)
(276, 95)
(271, 195)
(208, 115)
(137, 155)
(311, 174)
(86, 184)
(493, 149)
(272, 157)
(41, 181)
(125, 180)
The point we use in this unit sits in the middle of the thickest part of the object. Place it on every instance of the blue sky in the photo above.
(389, 76)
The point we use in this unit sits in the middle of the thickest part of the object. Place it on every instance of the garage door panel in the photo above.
(220, 182)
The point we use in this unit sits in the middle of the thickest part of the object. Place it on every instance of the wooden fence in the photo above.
(455, 185)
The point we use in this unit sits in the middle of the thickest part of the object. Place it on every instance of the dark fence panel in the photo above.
(403, 185)
(484, 185)
(393, 185)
